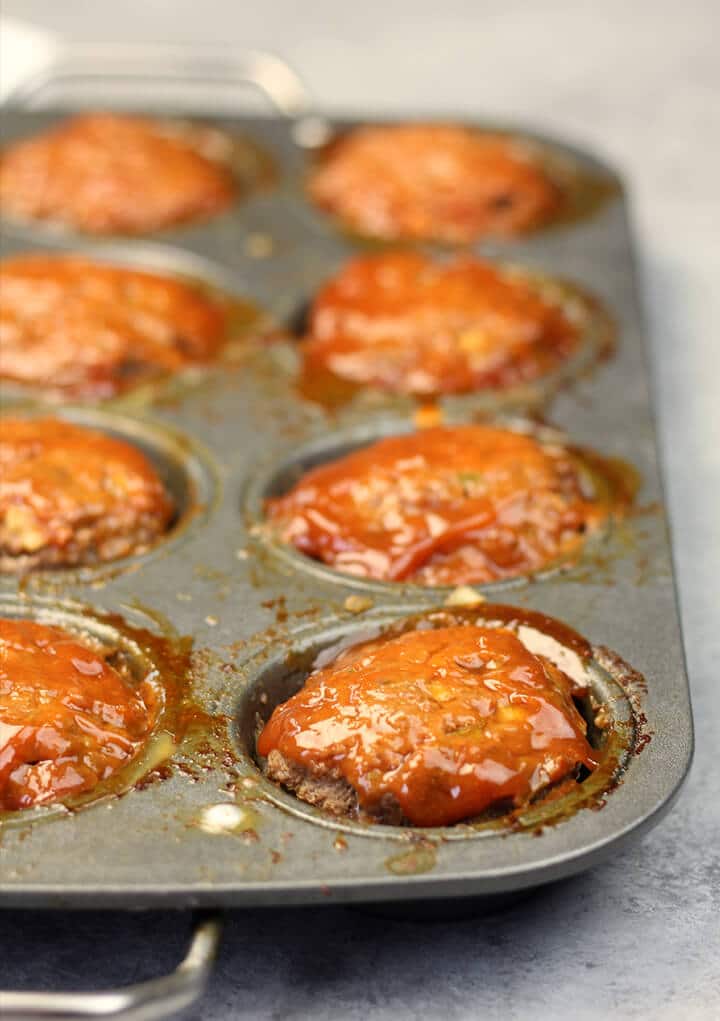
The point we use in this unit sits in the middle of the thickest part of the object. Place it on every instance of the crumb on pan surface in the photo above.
(108, 173)
(439, 182)
(68, 718)
(430, 727)
(85, 328)
(70, 495)
(448, 505)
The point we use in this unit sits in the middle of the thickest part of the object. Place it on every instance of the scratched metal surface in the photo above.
(145, 848)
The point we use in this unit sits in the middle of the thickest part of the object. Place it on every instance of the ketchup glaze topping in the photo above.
(68, 719)
(406, 323)
(447, 505)
(444, 723)
(441, 182)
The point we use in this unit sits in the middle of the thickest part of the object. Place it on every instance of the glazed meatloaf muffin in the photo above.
(103, 173)
(81, 328)
(438, 182)
(442, 506)
(405, 323)
(68, 718)
(71, 495)
(430, 727)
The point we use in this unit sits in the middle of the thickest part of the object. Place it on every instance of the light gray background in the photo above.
(640, 937)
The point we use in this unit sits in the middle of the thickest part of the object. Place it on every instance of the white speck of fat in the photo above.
(464, 595)
(223, 818)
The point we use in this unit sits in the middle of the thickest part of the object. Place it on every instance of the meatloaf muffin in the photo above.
(405, 323)
(438, 182)
(71, 495)
(430, 727)
(104, 173)
(442, 506)
(90, 329)
(68, 719)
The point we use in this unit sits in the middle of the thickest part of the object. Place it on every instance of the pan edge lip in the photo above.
(282, 892)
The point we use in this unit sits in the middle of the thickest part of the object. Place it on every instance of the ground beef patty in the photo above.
(68, 719)
(105, 173)
(71, 496)
(406, 323)
(83, 328)
(438, 182)
(450, 505)
(429, 727)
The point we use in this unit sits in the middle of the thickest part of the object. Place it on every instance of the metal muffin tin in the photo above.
(255, 613)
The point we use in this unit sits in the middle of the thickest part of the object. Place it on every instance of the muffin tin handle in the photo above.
(271, 75)
(144, 1001)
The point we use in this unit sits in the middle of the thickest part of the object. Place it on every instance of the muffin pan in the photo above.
(214, 831)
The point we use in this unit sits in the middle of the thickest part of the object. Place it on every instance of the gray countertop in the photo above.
(636, 938)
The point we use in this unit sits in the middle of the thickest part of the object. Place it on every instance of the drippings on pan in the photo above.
(434, 182)
(71, 495)
(429, 727)
(449, 505)
(406, 323)
(69, 719)
(81, 328)
(105, 173)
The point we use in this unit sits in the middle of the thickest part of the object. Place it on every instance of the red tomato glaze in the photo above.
(405, 323)
(441, 182)
(108, 173)
(443, 506)
(445, 722)
(88, 328)
(67, 718)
